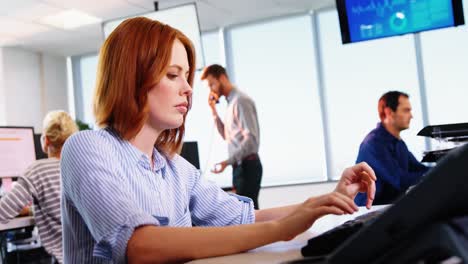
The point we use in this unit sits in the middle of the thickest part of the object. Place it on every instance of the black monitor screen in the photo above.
(38, 147)
(190, 153)
(362, 20)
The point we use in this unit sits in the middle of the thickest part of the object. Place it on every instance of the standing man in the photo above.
(241, 131)
(384, 150)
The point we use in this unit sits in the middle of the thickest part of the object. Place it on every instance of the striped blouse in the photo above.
(41, 182)
(109, 189)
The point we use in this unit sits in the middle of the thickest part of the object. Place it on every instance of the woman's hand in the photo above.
(26, 211)
(358, 178)
(312, 209)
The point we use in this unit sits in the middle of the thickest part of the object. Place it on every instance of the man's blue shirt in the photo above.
(395, 167)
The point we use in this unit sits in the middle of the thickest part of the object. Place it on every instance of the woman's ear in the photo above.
(45, 143)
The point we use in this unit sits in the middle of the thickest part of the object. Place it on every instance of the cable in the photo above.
(210, 151)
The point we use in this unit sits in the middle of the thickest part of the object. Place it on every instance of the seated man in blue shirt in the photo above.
(384, 150)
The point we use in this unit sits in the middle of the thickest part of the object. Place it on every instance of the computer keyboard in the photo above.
(325, 243)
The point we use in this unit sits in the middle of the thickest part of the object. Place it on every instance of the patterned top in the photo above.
(40, 182)
(109, 189)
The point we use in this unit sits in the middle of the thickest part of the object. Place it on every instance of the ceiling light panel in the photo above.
(69, 19)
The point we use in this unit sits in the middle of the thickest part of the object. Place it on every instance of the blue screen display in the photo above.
(369, 19)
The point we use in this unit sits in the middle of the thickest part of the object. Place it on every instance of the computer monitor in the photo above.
(17, 150)
(190, 153)
(40, 154)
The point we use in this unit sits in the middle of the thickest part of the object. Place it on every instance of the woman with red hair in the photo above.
(128, 195)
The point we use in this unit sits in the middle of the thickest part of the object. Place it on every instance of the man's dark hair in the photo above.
(214, 70)
(389, 99)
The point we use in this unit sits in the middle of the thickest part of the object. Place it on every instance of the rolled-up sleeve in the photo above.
(113, 245)
(248, 211)
(211, 206)
(94, 185)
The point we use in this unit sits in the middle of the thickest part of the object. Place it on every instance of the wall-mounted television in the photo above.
(362, 20)
(183, 18)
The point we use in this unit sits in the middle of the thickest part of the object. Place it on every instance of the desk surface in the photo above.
(285, 251)
(18, 222)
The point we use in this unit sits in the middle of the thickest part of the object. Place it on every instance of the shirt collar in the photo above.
(383, 131)
(231, 94)
(159, 160)
(136, 156)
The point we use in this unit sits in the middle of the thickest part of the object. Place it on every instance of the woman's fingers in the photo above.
(314, 208)
(369, 181)
(336, 199)
(325, 210)
(366, 178)
(363, 167)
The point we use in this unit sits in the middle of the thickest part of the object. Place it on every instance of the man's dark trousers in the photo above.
(247, 177)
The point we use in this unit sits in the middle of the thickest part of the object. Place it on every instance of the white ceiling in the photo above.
(20, 26)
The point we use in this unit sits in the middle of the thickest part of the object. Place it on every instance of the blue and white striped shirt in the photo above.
(109, 189)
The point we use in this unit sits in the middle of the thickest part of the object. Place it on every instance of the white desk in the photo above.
(18, 222)
(285, 251)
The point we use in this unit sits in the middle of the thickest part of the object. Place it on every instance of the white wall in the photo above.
(22, 88)
(33, 83)
(55, 74)
(286, 195)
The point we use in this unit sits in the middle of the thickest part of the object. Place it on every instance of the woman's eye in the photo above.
(171, 76)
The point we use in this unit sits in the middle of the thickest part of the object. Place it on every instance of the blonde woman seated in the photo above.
(41, 182)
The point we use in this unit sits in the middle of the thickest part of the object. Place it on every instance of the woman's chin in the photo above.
(177, 124)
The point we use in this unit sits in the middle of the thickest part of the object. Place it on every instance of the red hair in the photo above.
(133, 60)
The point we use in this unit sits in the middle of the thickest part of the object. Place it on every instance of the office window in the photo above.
(200, 125)
(355, 76)
(88, 68)
(212, 48)
(446, 66)
(86, 80)
(273, 62)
